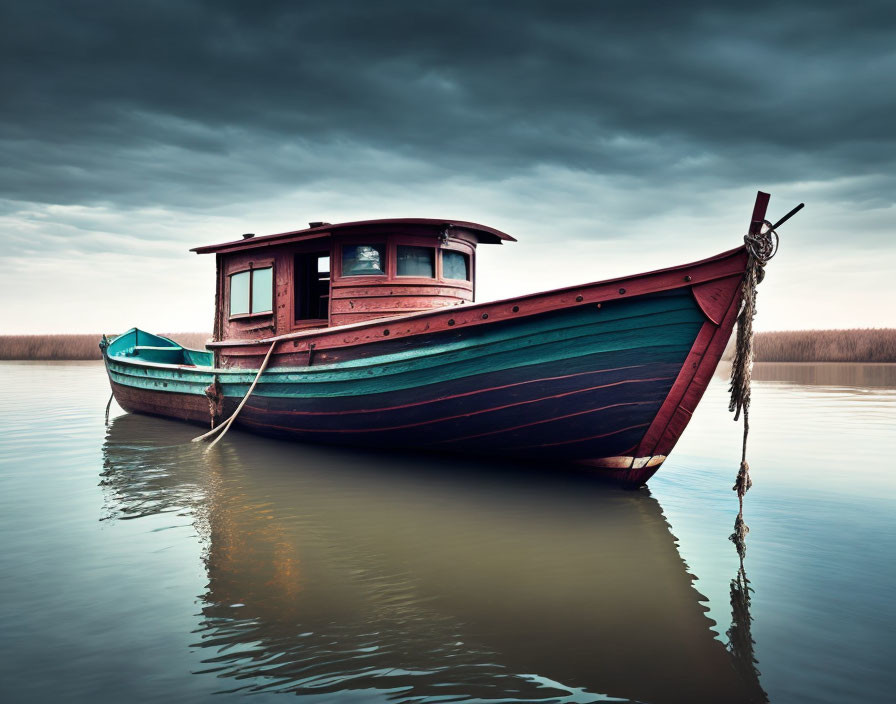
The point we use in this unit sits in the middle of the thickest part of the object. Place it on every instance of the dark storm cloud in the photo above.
(190, 104)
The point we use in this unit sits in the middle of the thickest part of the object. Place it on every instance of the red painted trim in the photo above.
(549, 420)
(447, 398)
(713, 297)
(676, 412)
(590, 437)
(676, 393)
(702, 378)
(467, 414)
(759, 210)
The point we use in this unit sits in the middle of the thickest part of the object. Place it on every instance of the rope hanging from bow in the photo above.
(761, 245)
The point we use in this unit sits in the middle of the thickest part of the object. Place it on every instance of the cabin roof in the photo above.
(483, 234)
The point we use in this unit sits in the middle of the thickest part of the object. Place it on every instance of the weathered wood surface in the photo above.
(572, 385)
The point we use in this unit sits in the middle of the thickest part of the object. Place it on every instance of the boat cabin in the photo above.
(327, 275)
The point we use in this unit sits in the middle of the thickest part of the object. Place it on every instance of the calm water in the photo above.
(136, 568)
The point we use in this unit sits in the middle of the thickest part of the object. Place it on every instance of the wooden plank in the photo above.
(759, 209)
(283, 291)
(391, 304)
(398, 289)
(187, 407)
(714, 297)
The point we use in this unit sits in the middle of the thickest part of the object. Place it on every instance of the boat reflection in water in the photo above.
(331, 571)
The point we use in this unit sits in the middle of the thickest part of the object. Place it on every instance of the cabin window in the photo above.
(263, 290)
(252, 291)
(455, 265)
(312, 286)
(363, 260)
(239, 293)
(416, 261)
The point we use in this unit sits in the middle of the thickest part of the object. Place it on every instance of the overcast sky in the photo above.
(608, 137)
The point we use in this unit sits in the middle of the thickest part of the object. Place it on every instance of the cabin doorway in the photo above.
(312, 286)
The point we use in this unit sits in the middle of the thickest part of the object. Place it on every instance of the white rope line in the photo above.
(225, 426)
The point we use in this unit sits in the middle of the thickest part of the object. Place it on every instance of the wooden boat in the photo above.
(373, 339)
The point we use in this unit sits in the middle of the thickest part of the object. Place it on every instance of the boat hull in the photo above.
(609, 385)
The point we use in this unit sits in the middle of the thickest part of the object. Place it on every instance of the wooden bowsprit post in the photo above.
(222, 429)
(761, 242)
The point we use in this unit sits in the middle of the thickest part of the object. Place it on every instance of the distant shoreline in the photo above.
(75, 347)
(872, 345)
(867, 345)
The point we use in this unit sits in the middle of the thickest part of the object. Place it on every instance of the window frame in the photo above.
(251, 267)
(366, 242)
(435, 265)
(391, 241)
(467, 258)
(468, 251)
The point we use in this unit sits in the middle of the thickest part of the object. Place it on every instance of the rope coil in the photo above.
(763, 245)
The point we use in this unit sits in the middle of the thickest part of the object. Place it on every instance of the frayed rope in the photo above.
(761, 246)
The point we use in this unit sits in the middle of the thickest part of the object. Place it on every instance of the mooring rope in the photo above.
(761, 245)
(108, 406)
(222, 429)
(215, 396)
